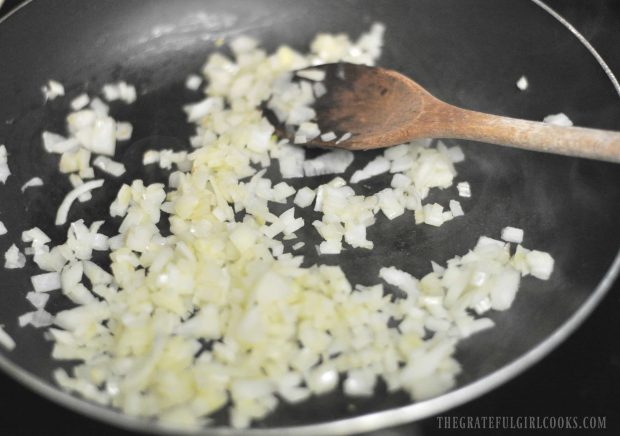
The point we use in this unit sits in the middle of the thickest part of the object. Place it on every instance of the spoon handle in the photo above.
(532, 135)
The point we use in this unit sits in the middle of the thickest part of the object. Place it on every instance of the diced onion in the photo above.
(304, 197)
(35, 181)
(212, 258)
(5, 340)
(523, 83)
(333, 162)
(456, 208)
(558, 120)
(63, 210)
(464, 189)
(54, 143)
(99, 107)
(13, 258)
(375, 167)
(26, 318)
(119, 91)
(53, 89)
(360, 383)
(312, 74)
(401, 279)
(46, 282)
(80, 102)
(330, 247)
(344, 137)
(540, 263)
(5, 172)
(38, 299)
(110, 166)
(291, 160)
(193, 82)
(512, 234)
(124, 131)
(329, 136)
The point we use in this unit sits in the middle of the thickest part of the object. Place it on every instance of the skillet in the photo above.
(466, 52)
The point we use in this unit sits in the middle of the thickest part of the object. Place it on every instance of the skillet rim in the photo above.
(363, 423)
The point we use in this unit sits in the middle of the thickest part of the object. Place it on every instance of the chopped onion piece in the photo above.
(26, 318)
(80, 102)
(485, 241)
(330, 247)
(522, 83)
(36, 236)
(46, 282)
(332, 162)
(53, 89)
(290, 223)
(390, 203)
(504, 289)
(5, 172)
(38, 299)
(102, 139)
(304, 197)
(483, 306)
(243, 44)
(456, 154)
(396, 152)
(558, 120)
(35, 181)
(512, 234)
(319, 90)
(110, 166)
(193, 82)
(308, 130)
(124, 131)
(344, 137)
(464, 189)
(98, 107)
(540, 263)
(437, 269)
(201, 109)
(401, 279)
(41, 318)
(63, 210)
(3, 230)
(13, 258)
(119, 91)
(432, 214)
(327, 137)
(281, 192)
(322, 379)
(312, 74)
(400, 181)
(80, 120)
(291, 160)
(456, 208)
(127, 92)
(377, 166)
(360, 383)
(5, 340)
(77, 181)
(110, 92)
(54, 143)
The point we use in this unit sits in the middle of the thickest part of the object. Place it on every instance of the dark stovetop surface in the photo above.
(580, 378)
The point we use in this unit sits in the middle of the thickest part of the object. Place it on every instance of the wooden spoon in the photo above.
(382, 107)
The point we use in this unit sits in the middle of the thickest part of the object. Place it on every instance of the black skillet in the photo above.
(467, 52)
